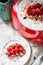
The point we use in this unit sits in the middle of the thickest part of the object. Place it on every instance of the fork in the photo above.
(38, 61)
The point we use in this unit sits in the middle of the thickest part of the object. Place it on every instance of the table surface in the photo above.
(6, 26)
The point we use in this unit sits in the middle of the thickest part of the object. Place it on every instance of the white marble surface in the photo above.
(7, 33)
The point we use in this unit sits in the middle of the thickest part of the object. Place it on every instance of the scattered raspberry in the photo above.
(21, 49)
(32, 7)
(16, 50)
(8, 54)
(37, 5)
(39, 12)
(28, 10)
(18, 45)
(12, 51)
(33, 11)
(42, 8)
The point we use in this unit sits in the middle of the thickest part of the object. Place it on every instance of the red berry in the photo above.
(12, 52)
(8, 49)
(37, 5)
(42, 8)
(16, 50)
(9, 54)
(21, 49)
(28, 10)
(33, 11)
(13, 46)
(39, 12)
(32, 7)
(18, 45)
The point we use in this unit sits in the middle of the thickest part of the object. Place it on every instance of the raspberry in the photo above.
(37, 5)
(32, 7)
(9, 54)
(13, 46)
(28, 10)
(12, 51)
(42, 8)
(21, 49)
(8, 49)
(33, 11)
(16, 50)
(18, 45)
(39, 12)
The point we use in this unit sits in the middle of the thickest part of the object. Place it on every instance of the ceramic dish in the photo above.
(29, 28)
(4, 59)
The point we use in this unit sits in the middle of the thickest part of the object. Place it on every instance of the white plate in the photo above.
(16, 60)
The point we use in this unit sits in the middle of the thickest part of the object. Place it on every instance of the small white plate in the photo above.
(15, 60)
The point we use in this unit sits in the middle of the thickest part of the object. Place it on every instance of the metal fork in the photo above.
(40, 61)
